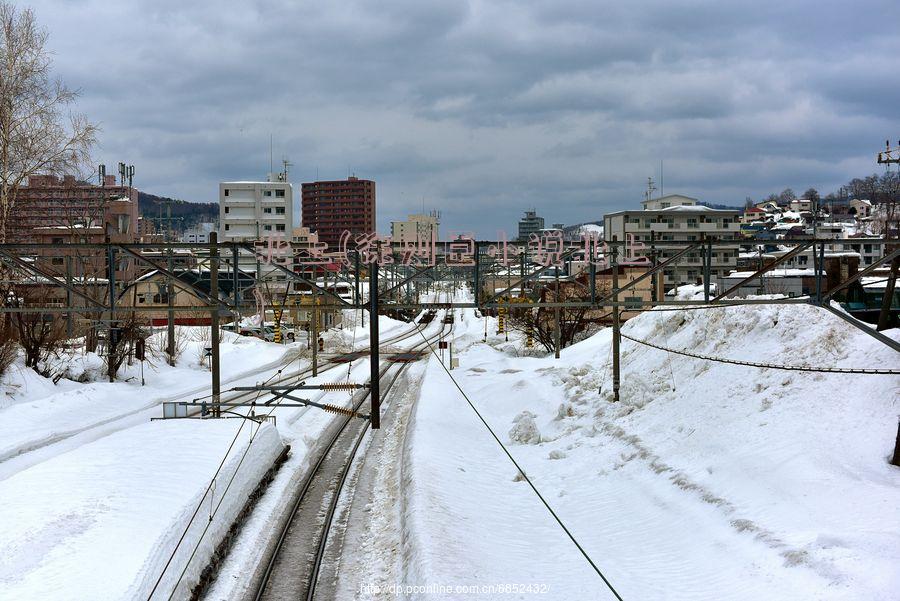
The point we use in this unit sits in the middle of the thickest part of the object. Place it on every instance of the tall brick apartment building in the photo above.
(48, 201)
(330, 208)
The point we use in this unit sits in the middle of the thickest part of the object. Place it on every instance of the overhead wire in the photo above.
(525, 477)
(837, 370)
(227, 487)
(206, 493)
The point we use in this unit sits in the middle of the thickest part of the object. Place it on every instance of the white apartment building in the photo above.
(255, 210)
(679, 218)
(417, 226)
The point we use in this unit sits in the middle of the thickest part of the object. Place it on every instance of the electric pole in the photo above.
(214, 318)
(890, 156)
(616, 324)
(374, 384)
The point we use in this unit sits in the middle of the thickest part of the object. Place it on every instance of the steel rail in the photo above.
(337, 489)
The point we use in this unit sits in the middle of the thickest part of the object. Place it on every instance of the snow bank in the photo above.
(706, 481)
(39, 413)
(100, 522)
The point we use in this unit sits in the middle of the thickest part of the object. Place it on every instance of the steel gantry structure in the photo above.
(44, 282)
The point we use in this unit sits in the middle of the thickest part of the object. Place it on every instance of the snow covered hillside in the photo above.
(707, 480)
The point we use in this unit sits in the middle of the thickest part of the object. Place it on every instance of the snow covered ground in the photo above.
(100, 522)
(39, 414)
(707, 480)
(91, 487)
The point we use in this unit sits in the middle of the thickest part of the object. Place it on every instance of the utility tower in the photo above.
(651, 188)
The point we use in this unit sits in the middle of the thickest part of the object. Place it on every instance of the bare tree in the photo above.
(786, 196)
(811, 194)
(39, 334)
(122, 340)
(39, 133)
(8, 348)
(541, 322)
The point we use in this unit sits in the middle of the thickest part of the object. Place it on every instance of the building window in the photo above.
(227, 227)
(279, 193)
(279, 210)
(226, 191)
(56, 261)
(268, 228)
(226, 210)
(267, 193)
(267, 210)
(279, 227)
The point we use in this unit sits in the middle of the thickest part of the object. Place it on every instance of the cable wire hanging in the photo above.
(524, 475)
(830, 370)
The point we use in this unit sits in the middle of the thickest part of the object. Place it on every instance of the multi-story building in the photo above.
(679, 218)
(48, 201)
(332, 207)
(250, 211)
(530, 224)
(260, 212)
(416, 227)
(146, 227)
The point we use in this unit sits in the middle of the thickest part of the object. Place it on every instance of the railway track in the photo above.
(299, 376)
(70, 440)
(296, 559)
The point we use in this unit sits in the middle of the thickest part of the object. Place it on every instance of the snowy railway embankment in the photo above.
(96, 497)
(102, 521)
(707, 481)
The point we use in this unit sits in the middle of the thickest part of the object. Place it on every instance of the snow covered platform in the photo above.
(102, 521)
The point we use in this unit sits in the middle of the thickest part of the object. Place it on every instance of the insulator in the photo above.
(338, 386)
(340, 410)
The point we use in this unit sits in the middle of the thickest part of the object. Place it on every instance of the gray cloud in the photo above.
(485, 108)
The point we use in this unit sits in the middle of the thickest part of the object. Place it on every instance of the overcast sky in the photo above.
(484, 109)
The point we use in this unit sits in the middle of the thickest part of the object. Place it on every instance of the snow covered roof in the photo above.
(687, 209)
(774, 273)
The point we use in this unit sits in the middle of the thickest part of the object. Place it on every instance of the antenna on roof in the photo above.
(271, 162)
(661, 179)
(650, 189)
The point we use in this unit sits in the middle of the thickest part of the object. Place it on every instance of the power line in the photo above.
(524, 475)
(831, 370)
(203, 498)
(196, 511)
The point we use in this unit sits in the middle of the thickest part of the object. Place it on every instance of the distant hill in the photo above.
(185, 214)
(720, 207)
